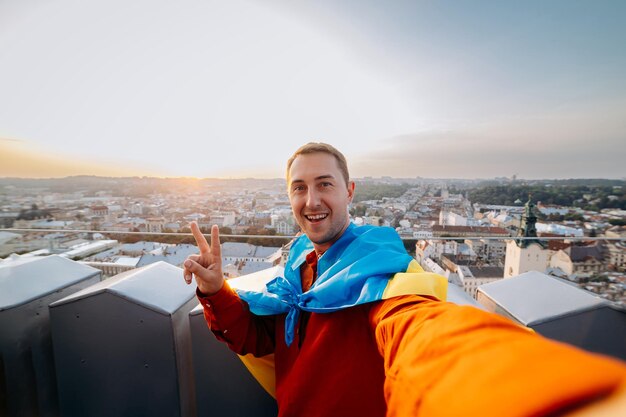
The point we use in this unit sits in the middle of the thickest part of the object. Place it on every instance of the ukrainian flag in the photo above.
(364, 265)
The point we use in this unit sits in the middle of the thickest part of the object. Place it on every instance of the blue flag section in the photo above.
(355, 270)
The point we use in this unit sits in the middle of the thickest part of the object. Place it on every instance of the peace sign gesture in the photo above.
(207, 266)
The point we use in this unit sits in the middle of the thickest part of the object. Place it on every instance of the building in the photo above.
(441, 247)
(237, 252)
(559, 230)
(16, 243)
(99, 210)
(423, 250)
(8, 218)
(110, 269)
(431, 266)
(155, 224)
(488, 249)
(485, 208)
(223, 219)
(469, 231)
(52, 224)
(450, 218)
(85, 248)
(34, 213)
(171, 254)
(617, 255)
(504, 220)
(283, 223)
(616, 232)
(579, 260)
(528, 254)
(284, 252)
(374, 220)
(472, 277)
(136, 209)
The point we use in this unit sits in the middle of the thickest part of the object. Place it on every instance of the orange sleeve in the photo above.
(447, 360)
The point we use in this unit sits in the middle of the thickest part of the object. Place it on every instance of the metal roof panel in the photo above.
(158, 286)
(26, 281)
(534, 297)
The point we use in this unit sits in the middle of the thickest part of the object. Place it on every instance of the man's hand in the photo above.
(207, 266)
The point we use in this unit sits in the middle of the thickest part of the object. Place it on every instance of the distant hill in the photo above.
(587, 194)
(133, 185)
(497, 191)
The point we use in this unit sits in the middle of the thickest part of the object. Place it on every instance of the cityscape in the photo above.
(471, 231)
(489, 136)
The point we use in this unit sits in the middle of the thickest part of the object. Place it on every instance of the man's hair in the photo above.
(319, 147)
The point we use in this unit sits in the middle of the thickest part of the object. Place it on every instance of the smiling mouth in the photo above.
(314, 218)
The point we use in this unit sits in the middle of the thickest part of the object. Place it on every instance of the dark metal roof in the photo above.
(582, 253)
(158, 286)
(26, 280)
(487, 271)
(534, 297)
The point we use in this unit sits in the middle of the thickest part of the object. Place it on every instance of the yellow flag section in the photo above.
(262, 369)
(417, 282)
(413, 281)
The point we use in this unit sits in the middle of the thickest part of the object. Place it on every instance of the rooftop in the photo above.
(474, 230)
(243, 250)
(144, 327)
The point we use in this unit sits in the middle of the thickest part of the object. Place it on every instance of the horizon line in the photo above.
(191, 178)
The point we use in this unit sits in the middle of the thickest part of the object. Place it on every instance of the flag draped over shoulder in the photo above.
(355, 270)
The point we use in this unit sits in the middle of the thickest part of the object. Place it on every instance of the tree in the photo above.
(358, 210)
(574, 217)
(225, 230)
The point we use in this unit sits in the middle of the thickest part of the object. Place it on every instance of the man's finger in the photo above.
(203, 245)
(195, 257)
(216, 249)
(194, 267)
(187, 275)
(186, 272)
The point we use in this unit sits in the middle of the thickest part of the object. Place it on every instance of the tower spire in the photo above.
(528, 228)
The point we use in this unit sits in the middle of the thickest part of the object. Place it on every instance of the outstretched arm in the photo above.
(447, 360)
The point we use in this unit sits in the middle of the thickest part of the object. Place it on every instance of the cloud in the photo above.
(556, 146)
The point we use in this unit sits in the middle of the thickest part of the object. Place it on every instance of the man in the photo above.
(358, 329)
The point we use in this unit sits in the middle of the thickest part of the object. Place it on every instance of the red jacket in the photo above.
(410, 356)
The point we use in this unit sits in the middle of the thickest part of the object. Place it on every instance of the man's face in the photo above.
(319, 198)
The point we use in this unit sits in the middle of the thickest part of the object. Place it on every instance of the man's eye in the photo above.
(298, 188)
(327, 184)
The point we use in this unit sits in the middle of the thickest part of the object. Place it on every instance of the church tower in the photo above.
(530, 253)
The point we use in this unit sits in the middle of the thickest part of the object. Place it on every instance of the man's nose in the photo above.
(313, 198)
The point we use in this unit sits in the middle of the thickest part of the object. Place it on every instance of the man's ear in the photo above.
(351, 187)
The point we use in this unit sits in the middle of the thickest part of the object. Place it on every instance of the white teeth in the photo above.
(316, 216)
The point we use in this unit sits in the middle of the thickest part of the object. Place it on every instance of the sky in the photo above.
(203, 88)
